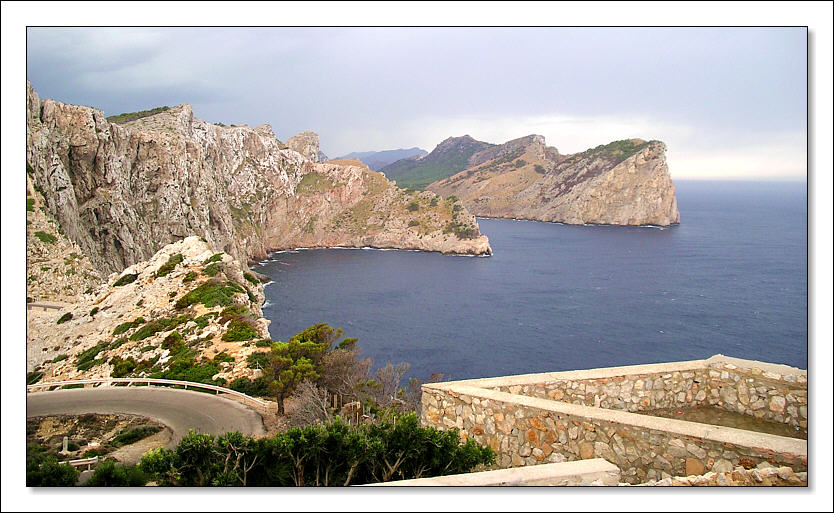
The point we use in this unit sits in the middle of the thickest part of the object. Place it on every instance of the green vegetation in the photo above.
(64, 318)
(169, 266)
(212, 269)
(461, 231)
(44, 470)
(203, 320)
(313, 183)
(413, 206)
(539, 169)
(71, 387)
(47, 238)
(414, 222)
(94, 311)
(223, 357)
(110, 474)
(449, 158)
(125, 279)
(157, 325)
(239, 329)
(257, 360)
(211, 293)
(255, 388)
(189, 277)
(334, 454)
(213, 258)
(132, 116)
(520, 163)
(123, 327)
(33, 377)
(59, 358)
(616, 151)
(251, 278)
(122, 368)
(87, 359)
(30, 204)
(130, 435)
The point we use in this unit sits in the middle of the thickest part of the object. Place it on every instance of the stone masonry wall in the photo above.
(526, 431)
(726, 383)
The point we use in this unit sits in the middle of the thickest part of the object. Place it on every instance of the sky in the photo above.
(728, 102)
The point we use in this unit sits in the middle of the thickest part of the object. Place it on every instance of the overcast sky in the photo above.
(729, 102)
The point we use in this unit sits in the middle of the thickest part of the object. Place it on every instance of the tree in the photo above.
(44, 470)
(110, 474)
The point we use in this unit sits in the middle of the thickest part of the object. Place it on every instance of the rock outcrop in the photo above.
(122, 191)
(307, 144)
(622, 183)
(148, 320)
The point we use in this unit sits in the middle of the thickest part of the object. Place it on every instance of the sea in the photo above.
(730, 279)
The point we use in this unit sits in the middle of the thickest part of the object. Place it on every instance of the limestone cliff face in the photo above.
(307, 144)
(622, 183)
(149, 325)
(123, 191)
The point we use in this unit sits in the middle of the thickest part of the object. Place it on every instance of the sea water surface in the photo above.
(730, 279)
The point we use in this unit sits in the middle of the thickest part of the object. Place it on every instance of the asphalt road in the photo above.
(180, 410)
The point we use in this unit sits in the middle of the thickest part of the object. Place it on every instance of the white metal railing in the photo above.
(83, 461)
(149, 381)
(43, 306)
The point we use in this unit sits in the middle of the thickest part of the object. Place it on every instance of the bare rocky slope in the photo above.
(186, 313)
(123, 191)
(622, 183)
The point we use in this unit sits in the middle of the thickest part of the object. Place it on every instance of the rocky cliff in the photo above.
(446, 159)
(121, 191)
(170, 316)
(621, 183)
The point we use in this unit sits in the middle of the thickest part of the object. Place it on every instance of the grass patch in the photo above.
(125, 117)
(64, 318)
(166, 268)
(124, 280)
(47, 238)
(313, 183)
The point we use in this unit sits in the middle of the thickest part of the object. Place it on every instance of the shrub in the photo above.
(46, 237)
(30, 204)
(212, 269)
(213, 258)
(124, 280)
(189, 277)
(539, 169)
(59, 358)
(211, 293)
(169, 266)
(121, 328)
(88, 357)
(128, 436)
(433, 202)
(33, 377)
(44, 470)
(147, 348)
(173, 341)
(64, 318)
(94, 311)
(251, 278)
(122, 368)
(70, 387)
(414, 222)
(158, 325)
(203, 320)
(257, 360)
(110, 474)
(223, 357)
(413, 206)
(520, 163)
(255, 388)
(124, 117)
(264, 342)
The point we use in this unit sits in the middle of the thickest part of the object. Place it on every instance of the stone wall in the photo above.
(524, 428)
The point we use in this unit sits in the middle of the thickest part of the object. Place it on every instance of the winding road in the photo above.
(180, 410)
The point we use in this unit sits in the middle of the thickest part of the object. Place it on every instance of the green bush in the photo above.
(110, 474)
(86, 360)
(189, 277)
(122, 368)
(203, 320)
(223, 357)
(213, 258)
(413, 206)
(59, 358)
(414, 222)
(64, 318)
(94, 311)
(30, 204)
(255, 388)
(251, 278)
(124, 280)
(539, 169)
(33, 377)
(257, 360)
(264, 342)
(173, 341)
(334, 454)
(212, 269)
(166, 268)
(211, 293)
(44, 470)
(46, 237)
(123, 327)
(128, 436)
(520, 163)
(71, 387)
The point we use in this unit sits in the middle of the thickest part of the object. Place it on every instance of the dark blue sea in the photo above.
(730, 279)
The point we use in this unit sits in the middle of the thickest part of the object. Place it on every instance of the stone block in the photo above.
(777, 404)
(694, 467)
(586, 451)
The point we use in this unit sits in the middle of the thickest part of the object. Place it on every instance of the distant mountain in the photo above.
(448, 158)
(376, 160)
(623, 183)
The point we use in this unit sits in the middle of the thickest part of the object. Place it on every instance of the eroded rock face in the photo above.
(307, 144)
(622, 183)
(123, 191)
(153, 296)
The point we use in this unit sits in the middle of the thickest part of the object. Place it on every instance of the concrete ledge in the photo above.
(591, 472)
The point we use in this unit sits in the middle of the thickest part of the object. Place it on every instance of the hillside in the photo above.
(376, 160)
(622, 183)
(121, 191)
(449, 157)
